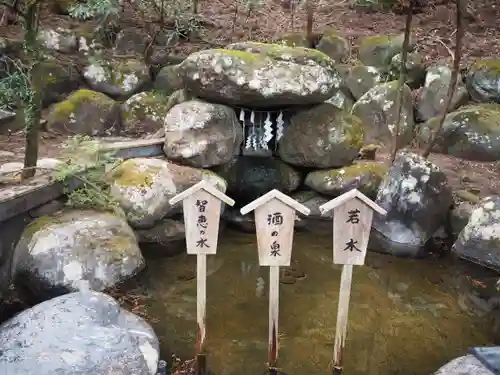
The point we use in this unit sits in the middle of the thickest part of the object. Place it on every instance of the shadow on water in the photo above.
(401, 320)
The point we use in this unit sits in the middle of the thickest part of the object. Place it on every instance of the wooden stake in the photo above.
(274, 224)
(201, 298)
(352, 220)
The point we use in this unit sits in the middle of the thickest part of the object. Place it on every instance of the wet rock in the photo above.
(85, 112)
(379, 50)
(479, 241)
(250, 177)
(364, 176)
(116, 78)
(168, 80)
(417, 198)
(235, 220)
(58, 81)
(143, 187)
(58, 251)
(314, 222)
(459, 217)
(466, 365)
(132, 40)
(483, 81)
(202, 134)
(362, 78)
(166, 238)
(144, 113)
(415, 71)
(321, 137)
(378, 113)
(58, 39)
(333, 45)
(261, 75)
(431, 100)
(472, 132)
(78, 333)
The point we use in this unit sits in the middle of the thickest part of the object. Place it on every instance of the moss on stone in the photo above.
(128, 174)
(353, 129)
(359, 169)
(295, 40)
(62, 110)
(248, 57)
(493, 65)
(41, 223)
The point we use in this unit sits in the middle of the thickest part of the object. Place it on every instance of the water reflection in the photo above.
(401, 320)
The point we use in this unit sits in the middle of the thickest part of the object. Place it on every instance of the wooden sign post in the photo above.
(202, 206)
(274, 224)
(352, 221)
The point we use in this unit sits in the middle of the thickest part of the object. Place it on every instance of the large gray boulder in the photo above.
(479, 241)
(321, 137)
(465, 365)
(56, 252)
(417, 198)
(80, 333)
(261, 75)
(202, 134)
(483, 81)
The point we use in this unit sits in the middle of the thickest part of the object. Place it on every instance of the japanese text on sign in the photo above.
(202, 223)
(352, 219)
(275, 219)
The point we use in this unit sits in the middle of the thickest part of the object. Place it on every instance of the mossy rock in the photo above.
(415, 70)
(295, 40)
(483, 81)
(58, 80)
(333, 45)
(379, 50)
(168, 80)
(377, 109)
(144, 112)
(472, 132)
(85, 112)
(322, 137)
(364, 176)
(298, 55)
(118, 79)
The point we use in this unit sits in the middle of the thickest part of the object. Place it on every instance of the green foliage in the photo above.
(95, 8)
(87, 162)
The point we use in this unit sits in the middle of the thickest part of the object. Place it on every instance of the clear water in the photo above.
(405, 316)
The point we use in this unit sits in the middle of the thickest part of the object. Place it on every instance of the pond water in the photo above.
(405, 315)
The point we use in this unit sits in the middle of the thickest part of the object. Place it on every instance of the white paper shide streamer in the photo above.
(279, 126)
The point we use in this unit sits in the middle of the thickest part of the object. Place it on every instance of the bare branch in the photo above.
(454, 76)
(402, 75)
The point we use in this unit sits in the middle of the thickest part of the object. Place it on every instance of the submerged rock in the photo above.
(261, 75)
(166, 238)
(417, 198)
(250, 177)
(466, 365)
(479, 241)
(378, 113)
(79, 333)
(85, 112)
(202, 134)
(56, 252)
(364, 176)
(472, 132)
(321, 137)
(143, 187)
(432, 97)
(483, 81)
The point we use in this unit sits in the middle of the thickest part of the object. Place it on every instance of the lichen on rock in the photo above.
(321, 137)
(144, 112)
(483, 80)
(261, 75)
(378, 50)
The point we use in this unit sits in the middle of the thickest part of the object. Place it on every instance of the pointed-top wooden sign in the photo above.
(274, 222)
(352, 221)
(202, 206)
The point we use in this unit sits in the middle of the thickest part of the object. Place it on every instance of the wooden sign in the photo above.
(202, 206)
(274, 223)
(352, 221)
